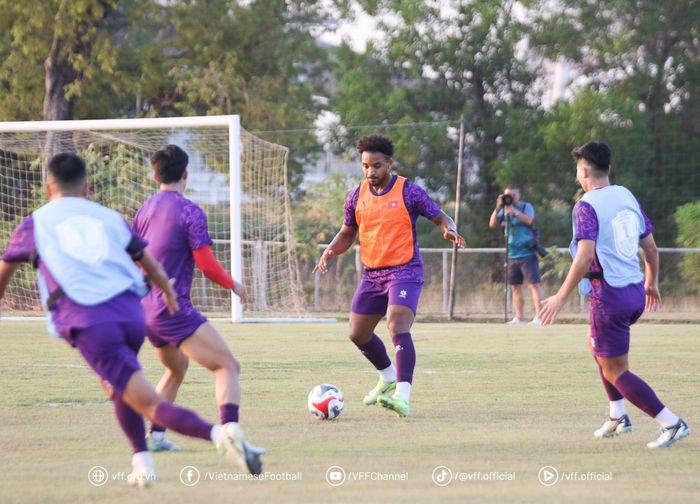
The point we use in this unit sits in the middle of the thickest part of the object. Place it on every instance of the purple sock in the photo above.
(229, 413)
(131, 423)
(613, 393)
(405, 357)
(375, 351)
(639, 393)
(182, 420)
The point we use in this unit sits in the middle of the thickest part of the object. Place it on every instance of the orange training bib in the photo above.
(386, 232)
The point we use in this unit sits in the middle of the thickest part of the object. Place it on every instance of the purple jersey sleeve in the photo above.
(419, 203)
(350, 205)
(648, 226)
(194, 221)
(586, 222)
(21, 247)
(136, 244)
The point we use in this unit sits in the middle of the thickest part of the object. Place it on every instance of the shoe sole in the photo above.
(614, 433)
(248, 460)
(390, 407)
(672, 441)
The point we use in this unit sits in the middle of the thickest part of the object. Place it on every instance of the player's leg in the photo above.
(176, 364)
(208, 348)
(368, 307)
(403, 304)
(111, 353)
(618, 421)
(610, 338)
(143, 398)
(515, 279)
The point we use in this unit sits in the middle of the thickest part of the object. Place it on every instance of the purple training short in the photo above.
(173, 330)
(373, 298)
(111, 350)
(611, 320)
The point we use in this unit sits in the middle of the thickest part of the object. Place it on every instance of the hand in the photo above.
(509, 210)
(653, 301)
(322, 265)
(550, 308)
(240, 291)
(499, 201)
(454, 237)
(171, 298)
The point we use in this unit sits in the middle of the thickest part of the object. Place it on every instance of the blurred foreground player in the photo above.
(85, 257)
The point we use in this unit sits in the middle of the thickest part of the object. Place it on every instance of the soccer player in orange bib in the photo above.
(383, 210)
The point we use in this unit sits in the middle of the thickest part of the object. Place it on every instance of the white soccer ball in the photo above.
(325, 401)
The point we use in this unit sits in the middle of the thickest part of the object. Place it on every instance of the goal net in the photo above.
(238, 179)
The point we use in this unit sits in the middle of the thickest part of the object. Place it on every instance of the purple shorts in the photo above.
(610, 332)
(111, 350)
(373, 298)
(173, 330)
(524, 267)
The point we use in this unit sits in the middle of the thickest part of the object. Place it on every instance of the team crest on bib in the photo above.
(626, 233)
(83, 238)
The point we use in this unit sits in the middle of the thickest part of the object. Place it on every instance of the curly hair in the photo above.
(376, 143)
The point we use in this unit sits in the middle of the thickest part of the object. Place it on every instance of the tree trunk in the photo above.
(59, 73)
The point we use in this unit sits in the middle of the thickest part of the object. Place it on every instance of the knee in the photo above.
(231, 365)
(147, 406)
(612, 373)
(178, 371)
(359, 338)
(398, 325)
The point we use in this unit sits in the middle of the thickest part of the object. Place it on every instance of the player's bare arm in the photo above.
(340, 243)
(582, 262)
(157, 275)
(651, 273)
(6, 272)
(449, 229)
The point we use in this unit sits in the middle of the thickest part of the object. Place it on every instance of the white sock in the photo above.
(403, 389)
(216, 435)
(388, 374)
(157, 435)
(666, 418)
(141, 459)
(617, 409)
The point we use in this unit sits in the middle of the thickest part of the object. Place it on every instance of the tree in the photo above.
(642, 59)
(434, 65)
(59, 43)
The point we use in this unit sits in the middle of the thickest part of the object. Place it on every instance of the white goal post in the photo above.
(239, 179)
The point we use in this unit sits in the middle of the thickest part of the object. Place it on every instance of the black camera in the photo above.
(534, 243)
(506, 199)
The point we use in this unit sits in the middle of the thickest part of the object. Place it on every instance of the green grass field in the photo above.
(487, 398)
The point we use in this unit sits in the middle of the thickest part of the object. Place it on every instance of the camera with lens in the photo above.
(506, 199)
(534, 243)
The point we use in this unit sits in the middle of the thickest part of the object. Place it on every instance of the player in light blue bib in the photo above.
(609, 227)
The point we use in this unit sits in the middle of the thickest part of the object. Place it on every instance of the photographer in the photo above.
(522, 258)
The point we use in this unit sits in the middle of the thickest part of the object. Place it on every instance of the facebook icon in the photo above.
(189, 476)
